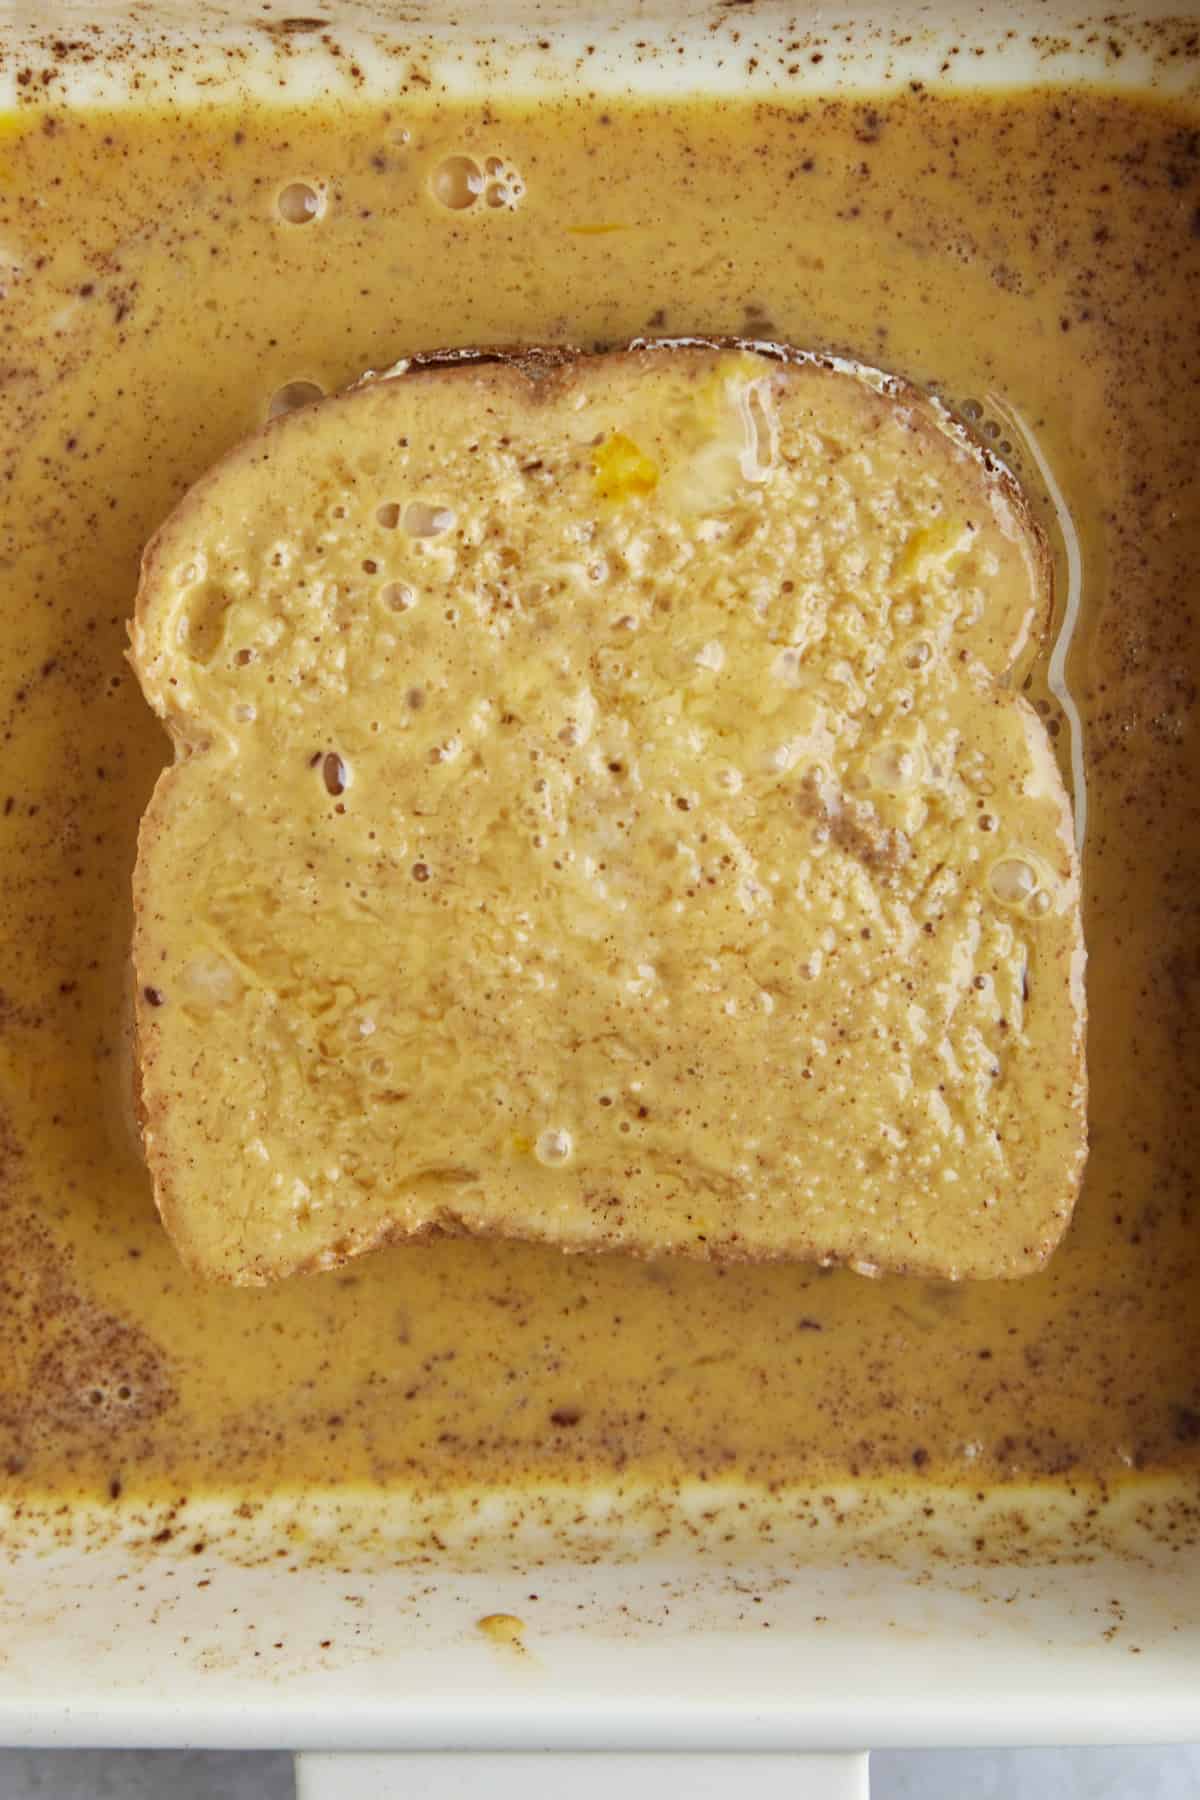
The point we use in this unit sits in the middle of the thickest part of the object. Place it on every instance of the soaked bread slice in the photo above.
(602, 814)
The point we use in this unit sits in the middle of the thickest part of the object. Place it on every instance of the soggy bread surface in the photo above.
(602, 815)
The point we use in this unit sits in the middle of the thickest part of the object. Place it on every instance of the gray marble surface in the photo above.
(1169, 1774)
(144, 1775)
(1036, 1774)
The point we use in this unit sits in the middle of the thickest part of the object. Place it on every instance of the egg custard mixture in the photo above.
(169, 279)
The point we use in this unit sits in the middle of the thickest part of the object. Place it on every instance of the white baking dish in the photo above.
(830, 1625)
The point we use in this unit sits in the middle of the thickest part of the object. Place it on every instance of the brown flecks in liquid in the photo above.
(978, 228)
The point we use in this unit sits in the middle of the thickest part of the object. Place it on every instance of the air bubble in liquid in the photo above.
(397, 595)
(457, 182)
(1013, 881)
(291, 395)
(917, 655)
(502, 184)
(553, 1148)
(422, 520)
(299, 204)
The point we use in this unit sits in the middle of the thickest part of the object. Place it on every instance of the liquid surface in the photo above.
(170, 280)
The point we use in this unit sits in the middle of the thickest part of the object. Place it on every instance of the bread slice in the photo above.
(602, 815)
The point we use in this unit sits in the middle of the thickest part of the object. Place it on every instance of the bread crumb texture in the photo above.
(603, 814)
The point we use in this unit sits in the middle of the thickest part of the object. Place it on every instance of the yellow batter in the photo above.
(1039, 258)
